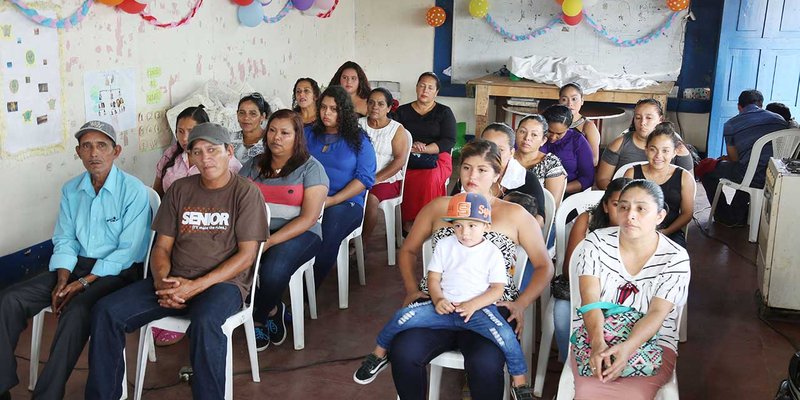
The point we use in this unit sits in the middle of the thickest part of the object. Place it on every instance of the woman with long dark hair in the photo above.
(304, 100)
(294, 185)
(345, 151)
(352, 78)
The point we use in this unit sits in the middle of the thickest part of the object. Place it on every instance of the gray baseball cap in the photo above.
(210, 132)
(97, 126)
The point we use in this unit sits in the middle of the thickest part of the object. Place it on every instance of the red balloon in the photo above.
(559, 2)
(131, 7)
(243, 2)
(573, 20)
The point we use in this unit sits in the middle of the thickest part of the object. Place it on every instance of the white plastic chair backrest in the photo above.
(155, 203)
(621, 171)
(248, 304)
(574, 287)
(549, 213)
(784, 144)
(405, 165)
(519, 268)
(579, 202)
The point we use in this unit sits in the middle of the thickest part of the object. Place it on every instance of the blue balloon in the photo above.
(251, 15)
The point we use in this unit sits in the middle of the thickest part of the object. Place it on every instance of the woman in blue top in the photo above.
(345, 151)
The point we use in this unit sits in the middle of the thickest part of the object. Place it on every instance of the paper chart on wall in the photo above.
(31, 85)
(109, 96)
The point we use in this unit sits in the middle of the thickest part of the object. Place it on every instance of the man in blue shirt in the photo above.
(100, 241)
(741, 133)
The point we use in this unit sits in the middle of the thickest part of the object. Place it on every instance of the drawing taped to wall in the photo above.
(110, 96)
(20, 47)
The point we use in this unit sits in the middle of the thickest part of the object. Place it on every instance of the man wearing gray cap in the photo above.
(100, 241)
(209, 227)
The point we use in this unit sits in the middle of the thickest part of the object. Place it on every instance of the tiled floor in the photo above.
(730, 354)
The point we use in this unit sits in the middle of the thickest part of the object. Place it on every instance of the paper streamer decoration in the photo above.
(436, 16)
(155, 22)
(530, 35)
(600, 30)
(283, 13)
(74, 19)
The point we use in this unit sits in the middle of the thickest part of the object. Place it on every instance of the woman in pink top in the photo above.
(175, 163)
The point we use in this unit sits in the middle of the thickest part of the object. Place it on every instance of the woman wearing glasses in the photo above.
(252, 112)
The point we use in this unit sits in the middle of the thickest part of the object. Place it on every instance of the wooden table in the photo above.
(502, 86)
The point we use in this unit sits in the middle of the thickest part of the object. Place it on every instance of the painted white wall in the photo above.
(211, 46)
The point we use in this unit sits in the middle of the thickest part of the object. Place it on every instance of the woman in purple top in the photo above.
(571, 148)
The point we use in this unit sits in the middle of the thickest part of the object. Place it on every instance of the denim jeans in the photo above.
(561, 320)
(337, 222)
(129, 309)
(278, 265)
(486, 322)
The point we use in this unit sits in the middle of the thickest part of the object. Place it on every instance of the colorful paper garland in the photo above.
(60, 23)
(155, 22)
(599, 29)
(77, 16)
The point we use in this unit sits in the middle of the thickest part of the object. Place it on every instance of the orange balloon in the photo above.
(559, 2)
(110, 2)
(436, 17)
(677, 5)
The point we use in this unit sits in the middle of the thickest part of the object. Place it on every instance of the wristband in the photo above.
(84, 282)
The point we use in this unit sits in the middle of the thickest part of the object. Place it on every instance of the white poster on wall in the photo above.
(109, 96)
(31, 85)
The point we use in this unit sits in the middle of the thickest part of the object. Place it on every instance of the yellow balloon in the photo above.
(572, 8)
(478, 8)
(111, 2)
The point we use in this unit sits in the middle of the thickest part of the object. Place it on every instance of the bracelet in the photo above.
(84, 282)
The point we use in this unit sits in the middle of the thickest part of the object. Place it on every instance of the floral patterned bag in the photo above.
(619, 322)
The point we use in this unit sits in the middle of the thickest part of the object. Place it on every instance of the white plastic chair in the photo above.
(549, 213)
(566, 384)
(454, 359)
(391, 212)
(181, 324)
(37, 325)
(343, 261)
(296, 296)
(579, 202)
(784, 144)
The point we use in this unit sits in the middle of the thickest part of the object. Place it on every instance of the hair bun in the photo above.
(202, 107)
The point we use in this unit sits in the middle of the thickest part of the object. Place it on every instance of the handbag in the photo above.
(618, 324)
(422, 161)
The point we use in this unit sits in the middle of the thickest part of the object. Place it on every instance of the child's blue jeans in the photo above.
(486, 322)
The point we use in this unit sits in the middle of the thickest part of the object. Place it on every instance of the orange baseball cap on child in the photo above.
(469, 206)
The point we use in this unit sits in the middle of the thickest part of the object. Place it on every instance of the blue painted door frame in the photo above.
(759, 48)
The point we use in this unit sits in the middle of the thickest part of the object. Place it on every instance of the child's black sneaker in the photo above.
(262, 338)
(523, 392)
(370, 368)
(276, 325)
